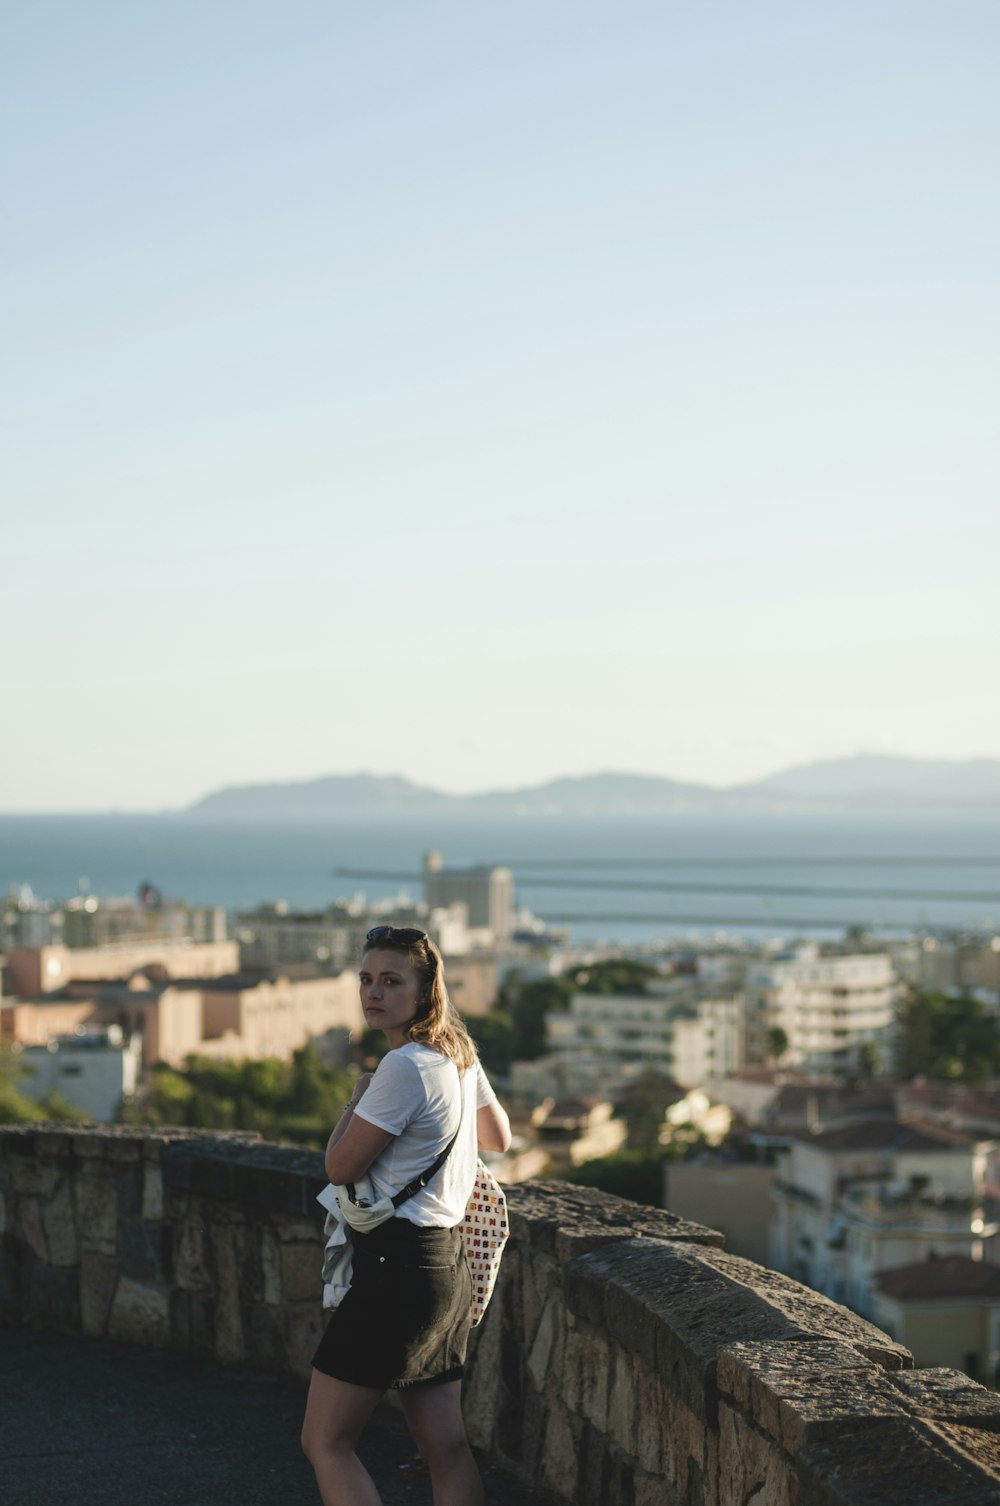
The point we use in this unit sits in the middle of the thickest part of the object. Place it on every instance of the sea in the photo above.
(629, 881)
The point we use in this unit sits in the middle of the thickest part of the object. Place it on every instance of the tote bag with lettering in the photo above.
(484, 1230)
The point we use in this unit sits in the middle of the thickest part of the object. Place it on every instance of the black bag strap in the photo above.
(418, 1183)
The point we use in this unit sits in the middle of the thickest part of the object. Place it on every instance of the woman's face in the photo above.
(390, 993)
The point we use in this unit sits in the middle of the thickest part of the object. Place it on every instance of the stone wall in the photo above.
(626, 1358)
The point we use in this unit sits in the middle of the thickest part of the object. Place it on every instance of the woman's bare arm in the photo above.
(493, 1127)
(355, 1143)
(353, 1147)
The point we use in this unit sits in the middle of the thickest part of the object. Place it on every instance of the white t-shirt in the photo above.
(414, 1095)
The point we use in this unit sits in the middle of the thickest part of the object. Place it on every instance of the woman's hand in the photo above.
(360, 1089)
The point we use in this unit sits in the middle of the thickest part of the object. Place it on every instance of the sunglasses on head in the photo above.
(407, 934)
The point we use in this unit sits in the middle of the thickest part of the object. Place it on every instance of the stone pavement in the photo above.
(88, 1422)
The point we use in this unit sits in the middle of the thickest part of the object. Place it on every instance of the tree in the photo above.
(950, 1037)
(644, 1104)
(495, 1035)
(633, 1174)
(527, 1005)
(869, 1060)
(615, 975)
(777, 1042)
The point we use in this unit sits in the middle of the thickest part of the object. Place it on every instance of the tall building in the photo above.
(487, 893)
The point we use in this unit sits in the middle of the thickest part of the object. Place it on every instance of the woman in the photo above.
(405, 1321)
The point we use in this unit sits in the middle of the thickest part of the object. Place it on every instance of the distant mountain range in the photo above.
(867, 785)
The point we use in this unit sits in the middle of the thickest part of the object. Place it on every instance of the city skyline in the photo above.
(494, 397)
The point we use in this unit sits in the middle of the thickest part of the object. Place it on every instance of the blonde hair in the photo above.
(438, 1023)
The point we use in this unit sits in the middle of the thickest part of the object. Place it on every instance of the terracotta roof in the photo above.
(952, 1276)
(889, 1135)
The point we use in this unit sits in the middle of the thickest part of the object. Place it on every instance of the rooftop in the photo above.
(890, 1135)
(952, 1276)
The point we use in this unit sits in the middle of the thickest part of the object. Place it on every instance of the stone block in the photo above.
(560, 1457)
(229, 1342)
(304, 1323)
(270, 1265)
(901, 1460)
(98, 1279)
(595, 1478)
(191, 1257)
(481, 1391)
(752, 1472)
(650, 1414)
(59, 1223)
(300, 1272)
(796, 1390)
(90, 1147)
(152, 1192)
(29, 1225)
(11, 1257)
(33, 1178)
(128, 1182)
(192, 1321)
(980, 1445)
(562, 1220)
(627, 1393)
(124, 1148)
(681, 1446)
(140, 1313)
(144, 1249)
(582, 1378)
(544, 1352)
(650, 1490)
(537, 1276)
(96, 1212)
(678, 1304)
(584, 1291)
(947, 1396)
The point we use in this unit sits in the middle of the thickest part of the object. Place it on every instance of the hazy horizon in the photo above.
(484, 790)
(495, 395)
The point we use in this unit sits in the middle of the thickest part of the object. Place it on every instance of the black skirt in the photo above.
(406, 1318)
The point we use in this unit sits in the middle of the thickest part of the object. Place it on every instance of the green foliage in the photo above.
(869, 1059)
(526, 1004)
(948, 1038)
(495, 1035)
(777, 1042)
(615, 975)
(635, 1174)
(17, 1108)
(300, 1100)
(643, 1105)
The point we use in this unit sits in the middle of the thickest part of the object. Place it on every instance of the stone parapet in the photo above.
(625, 1358)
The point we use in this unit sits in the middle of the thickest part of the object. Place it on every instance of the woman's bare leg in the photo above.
(335, 1415)
(434, 1417)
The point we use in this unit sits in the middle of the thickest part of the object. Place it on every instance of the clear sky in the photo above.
(485, 393)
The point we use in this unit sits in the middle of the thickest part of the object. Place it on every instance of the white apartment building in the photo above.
(602, 1041)
(829, 1001)
(686, 1036)
(874, 1196)
(92, 1069)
